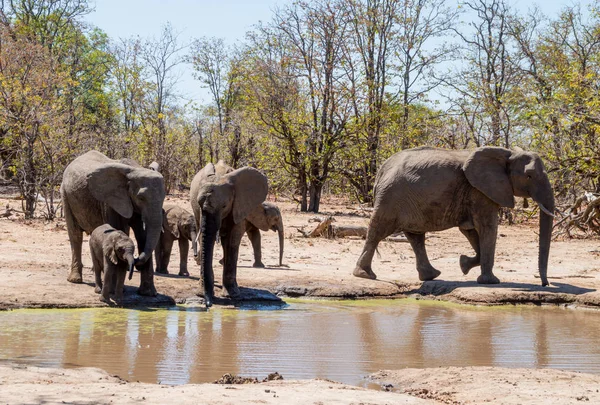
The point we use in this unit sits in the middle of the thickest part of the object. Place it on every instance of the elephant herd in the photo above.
(416, 191)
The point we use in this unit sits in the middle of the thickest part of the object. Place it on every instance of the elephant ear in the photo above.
(258, 217)
(109, 250)
(250, 187)
(487, 170)
(209, 170)
(109, 184)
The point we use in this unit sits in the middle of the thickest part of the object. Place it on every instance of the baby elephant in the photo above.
(178, 224)
(112, 253)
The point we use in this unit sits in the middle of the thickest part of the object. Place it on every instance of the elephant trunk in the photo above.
(130, 264)
(546, 203)
(153, 230)
(281, 237)
(208, 229)
(194, 237)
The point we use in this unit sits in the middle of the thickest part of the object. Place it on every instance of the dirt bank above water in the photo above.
(35, 257)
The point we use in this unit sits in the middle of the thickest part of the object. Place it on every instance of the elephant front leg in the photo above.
(487, 241)
(184, 249)
(109, 274)
(163, 257)
(120, 284)
(466, 262)
(426, 270)
(231, 248)
(254, 236)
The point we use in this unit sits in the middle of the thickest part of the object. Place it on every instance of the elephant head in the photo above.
(268, 217)
(228, 198)
(501, 174)
(117, 247)
(183, 225)
(127, 189)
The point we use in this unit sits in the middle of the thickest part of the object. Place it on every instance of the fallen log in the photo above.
(344, 231)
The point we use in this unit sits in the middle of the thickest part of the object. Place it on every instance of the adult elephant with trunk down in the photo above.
(221, 205)
(97, 190)
(425, 189)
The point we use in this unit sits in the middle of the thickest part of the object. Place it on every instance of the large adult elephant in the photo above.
(221, 205)
(425, 189)
(97, 190)
(264, 217)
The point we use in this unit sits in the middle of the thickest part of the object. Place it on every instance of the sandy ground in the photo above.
(481, 385)
(34, 259)
(33, 385)
(448, 385)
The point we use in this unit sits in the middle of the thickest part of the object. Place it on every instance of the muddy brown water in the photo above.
(342, 341)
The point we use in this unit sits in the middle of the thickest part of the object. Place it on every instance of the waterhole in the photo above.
(341, 341)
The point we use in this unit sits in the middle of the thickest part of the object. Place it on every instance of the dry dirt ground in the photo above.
(34, 259)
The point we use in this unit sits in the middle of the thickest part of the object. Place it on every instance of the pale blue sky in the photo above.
(229, 19)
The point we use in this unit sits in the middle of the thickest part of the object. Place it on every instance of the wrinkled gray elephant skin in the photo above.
(425, 189)
(220, 204)
(98, 190)
(112, 254)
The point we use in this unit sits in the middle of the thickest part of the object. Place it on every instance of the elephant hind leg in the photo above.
(76, 240)
(426, 270)
(378, 230)
(466, 262)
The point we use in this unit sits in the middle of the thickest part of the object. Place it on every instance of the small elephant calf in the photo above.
(112, 253)
(178, 224)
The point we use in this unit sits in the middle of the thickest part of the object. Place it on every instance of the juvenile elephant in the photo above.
(112, 253)
(220, 205)
(425, 189)
(96, 190)
(265, 217)
(178, 224)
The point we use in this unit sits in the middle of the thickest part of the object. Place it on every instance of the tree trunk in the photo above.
(315, 196)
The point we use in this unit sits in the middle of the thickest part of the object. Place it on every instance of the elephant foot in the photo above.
(98, 289)
(162, 271)
(467, 263)
(184, 273)
(232, 291)
(364, 273)
(147, 290)
(259, 265)
(105, 299)
(428, 273)
(75, 277)
(488, 279)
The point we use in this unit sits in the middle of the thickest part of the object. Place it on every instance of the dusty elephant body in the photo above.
(264, 217)
(112, 254)
(98, 190)
(221, 205)
(425, 189)
(178, 225)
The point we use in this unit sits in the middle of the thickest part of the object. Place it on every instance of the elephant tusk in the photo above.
(545, 210)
